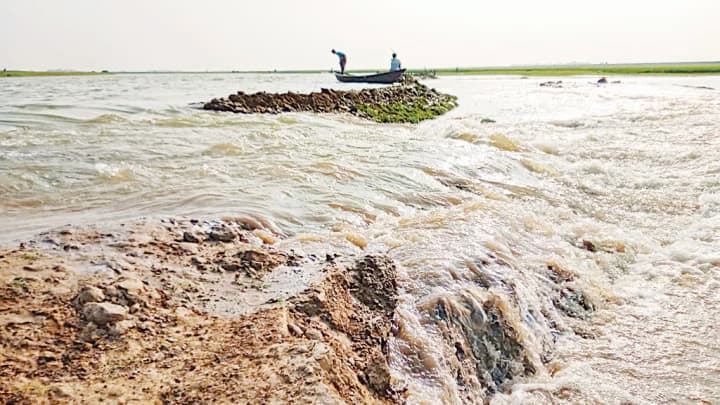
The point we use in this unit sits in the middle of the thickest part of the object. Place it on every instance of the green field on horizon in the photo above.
(649, 69)
(549, 70)
(559, 70)
(30, 73)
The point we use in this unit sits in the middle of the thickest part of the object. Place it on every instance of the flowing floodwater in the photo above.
(584, 222)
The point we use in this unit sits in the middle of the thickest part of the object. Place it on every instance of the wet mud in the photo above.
(186, 313)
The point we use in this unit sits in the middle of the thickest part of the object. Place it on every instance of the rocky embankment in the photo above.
(192, 312)
(409, 102)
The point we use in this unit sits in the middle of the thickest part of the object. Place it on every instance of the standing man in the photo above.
(343, 60)
(395, 63)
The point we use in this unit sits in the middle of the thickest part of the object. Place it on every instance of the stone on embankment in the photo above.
(104, 313)
(88, 294)
(222, 235)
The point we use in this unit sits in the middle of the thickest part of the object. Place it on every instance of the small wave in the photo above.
(709, 204)
(696, 87)
(689, 251)
(663, 116)
(201, 120)
(107, 119)
(594, 168)
(308, 237)
(25, 118)
(112, 173)
(368, 217)
(335, 170)
(6, 129)
(504, 142)
(187, 122)
(283, 119)
(42, 106)
(567, 124)
(538, 167)
(549, 149)
(223, 149)
(467, 137)
(22, 203)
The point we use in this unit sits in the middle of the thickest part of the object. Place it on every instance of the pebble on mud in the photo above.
(104, 313)
(88, 294)
(122, 327)
(222, 236)
(314, 334)
(190, 238)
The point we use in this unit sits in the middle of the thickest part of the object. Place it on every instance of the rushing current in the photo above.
(615, 189)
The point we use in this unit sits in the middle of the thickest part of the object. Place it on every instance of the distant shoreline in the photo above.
(31, 73)
(700, 68)
(646, 69)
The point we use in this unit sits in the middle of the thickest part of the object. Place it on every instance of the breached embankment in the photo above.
(409, 102)
(187, 313)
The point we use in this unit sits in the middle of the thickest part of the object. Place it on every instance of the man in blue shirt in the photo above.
(395, 63)
(343, 60)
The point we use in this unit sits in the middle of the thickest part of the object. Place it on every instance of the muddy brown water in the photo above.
(566, 253)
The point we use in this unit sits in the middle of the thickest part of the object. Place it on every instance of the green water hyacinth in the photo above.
(411, 111)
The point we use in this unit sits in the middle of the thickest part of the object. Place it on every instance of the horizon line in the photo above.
(365, 69)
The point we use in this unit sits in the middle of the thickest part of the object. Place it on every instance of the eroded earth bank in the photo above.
(190, 312)
(226, 311)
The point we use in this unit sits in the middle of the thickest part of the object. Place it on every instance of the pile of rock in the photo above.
(411, 96)
(110, 311)
(553, 84)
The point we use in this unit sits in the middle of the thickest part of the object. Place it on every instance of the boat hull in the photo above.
(383, 78)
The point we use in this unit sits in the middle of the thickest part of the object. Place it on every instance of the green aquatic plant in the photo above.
(31, 256)
(19, 282)
(414, 111)
(20, 285)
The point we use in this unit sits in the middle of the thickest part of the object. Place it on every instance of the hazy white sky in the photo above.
(298, 34)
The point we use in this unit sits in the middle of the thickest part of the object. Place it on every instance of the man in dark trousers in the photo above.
(343, 60)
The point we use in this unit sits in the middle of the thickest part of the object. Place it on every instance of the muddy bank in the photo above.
(189, 312)
(222, 311)
(409, 102)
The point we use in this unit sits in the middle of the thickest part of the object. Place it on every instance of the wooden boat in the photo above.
(385, 78)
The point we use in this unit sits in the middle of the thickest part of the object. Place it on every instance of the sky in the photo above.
(135, 35)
